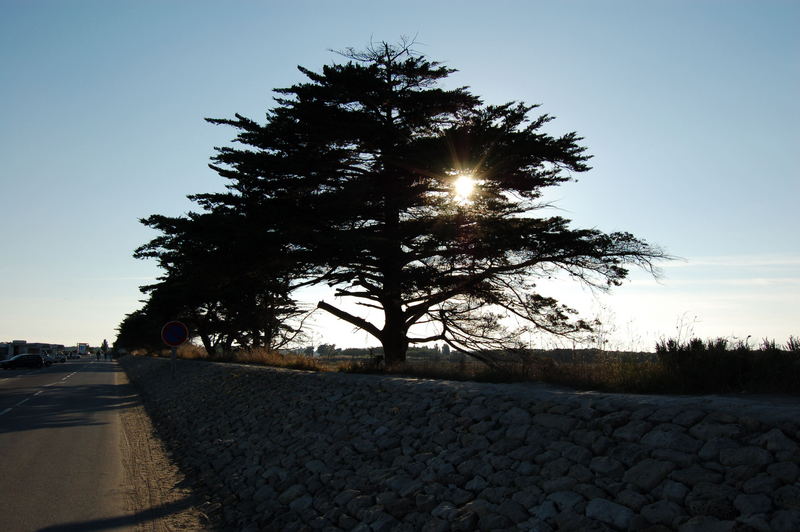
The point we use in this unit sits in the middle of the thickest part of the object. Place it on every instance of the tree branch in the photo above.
(361, 323)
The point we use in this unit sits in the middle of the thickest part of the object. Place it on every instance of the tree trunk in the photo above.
(394, 352)
(226, 346)
(207, 344)
(393, 337)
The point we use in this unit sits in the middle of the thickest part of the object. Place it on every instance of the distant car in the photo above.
(48, 360)
(73, 355)
(59, 357)
(23, 361)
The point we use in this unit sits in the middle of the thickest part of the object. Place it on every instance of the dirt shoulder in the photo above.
(156, 491)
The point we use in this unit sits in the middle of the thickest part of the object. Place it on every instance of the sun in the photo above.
(464, 187)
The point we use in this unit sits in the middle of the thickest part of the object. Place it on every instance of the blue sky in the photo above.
(690, 109)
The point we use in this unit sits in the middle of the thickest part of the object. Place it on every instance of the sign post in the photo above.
(174, 333)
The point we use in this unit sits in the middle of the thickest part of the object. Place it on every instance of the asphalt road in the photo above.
(60, 457)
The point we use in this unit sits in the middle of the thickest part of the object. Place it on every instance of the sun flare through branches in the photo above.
(463, 188)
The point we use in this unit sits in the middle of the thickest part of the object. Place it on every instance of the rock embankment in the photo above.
(289, 450)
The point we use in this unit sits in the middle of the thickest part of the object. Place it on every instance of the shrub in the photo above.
(793, 344)
(714, 366)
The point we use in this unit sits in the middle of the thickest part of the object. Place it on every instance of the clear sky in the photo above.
(690, 109)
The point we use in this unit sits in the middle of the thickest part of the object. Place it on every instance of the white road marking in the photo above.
(7, 410)
(8, 379)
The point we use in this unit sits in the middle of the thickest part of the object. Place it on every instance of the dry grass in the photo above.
(694, 367)
(192, 352)
(691, 367)
(417, 368)
(271, 358)
(608, 371)
(260, 356)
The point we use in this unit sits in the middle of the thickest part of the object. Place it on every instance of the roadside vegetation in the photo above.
(693, 366)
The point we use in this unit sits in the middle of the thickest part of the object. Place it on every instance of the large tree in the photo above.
(420, 202)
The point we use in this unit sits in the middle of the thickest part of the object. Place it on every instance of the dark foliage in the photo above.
(140, 329)
(223, 292)
(714, 366)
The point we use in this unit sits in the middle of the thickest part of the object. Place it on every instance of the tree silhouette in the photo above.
(140, 329)
(361, 168)
(226, 293)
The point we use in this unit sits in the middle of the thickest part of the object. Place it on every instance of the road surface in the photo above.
(66, 459)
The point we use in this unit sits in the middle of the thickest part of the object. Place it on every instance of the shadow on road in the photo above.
(56, 370)
(122, 521)
(67, 405)
(59, 369)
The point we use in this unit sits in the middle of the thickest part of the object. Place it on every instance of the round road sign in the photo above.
(174, 333)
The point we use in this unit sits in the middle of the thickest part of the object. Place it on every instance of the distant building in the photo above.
(13, 348)
(22, 347)
(39, 348)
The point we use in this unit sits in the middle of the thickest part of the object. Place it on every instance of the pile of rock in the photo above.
(288, 450)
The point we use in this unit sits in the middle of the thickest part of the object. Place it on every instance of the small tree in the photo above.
(227, 293)
(140, 330)
(420, 202)
(326, 350)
